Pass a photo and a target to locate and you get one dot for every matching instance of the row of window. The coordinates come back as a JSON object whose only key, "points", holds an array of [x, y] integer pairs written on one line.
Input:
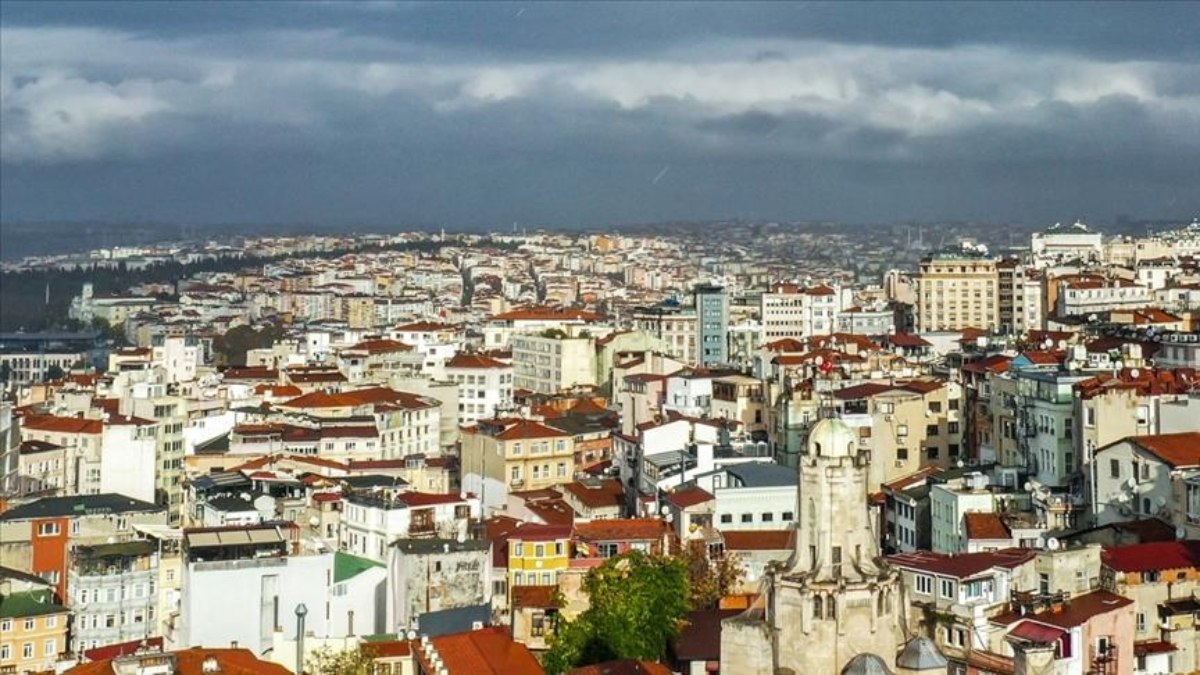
{"points": [[49, 649], [764, 517], [30, 624], [539, 550]]}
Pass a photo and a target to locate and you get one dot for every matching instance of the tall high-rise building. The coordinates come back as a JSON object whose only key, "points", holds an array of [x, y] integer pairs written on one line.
{"points": [[835, 592], [712, 325], [956, 290]]}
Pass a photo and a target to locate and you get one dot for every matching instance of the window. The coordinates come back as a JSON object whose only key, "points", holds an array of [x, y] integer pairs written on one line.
{"points": [[48, 529], [902, 454], [768, 517], [747, 517], [935, 406], [1150, 577], [539, 551], [931, 430], [932, 452], [1141, 622], [518, 549], [726, 518], [30, 624], [924, 584], [947, 588], [837, 555], [5, 652], [558, 548], [48, 649], [607, 550], [51, 621], [27, 650], [1114, 468], [5, 625], [788, 516]]}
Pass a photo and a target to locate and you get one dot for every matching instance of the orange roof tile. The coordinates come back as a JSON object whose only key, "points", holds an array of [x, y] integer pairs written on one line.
{"points": [[986, 526], [62, 425]]}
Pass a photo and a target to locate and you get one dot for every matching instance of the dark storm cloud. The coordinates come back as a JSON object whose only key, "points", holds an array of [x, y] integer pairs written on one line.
{"points": [[490, 113]]}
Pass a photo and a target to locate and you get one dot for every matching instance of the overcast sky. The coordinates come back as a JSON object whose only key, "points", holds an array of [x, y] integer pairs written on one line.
{"points": [[483, 114]]}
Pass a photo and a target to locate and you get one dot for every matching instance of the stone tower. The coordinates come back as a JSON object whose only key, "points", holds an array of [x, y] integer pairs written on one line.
{"points": [[834, 598]]}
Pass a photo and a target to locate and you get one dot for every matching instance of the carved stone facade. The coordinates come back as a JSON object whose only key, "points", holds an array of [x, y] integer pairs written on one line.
{"points": [[835, 598]]}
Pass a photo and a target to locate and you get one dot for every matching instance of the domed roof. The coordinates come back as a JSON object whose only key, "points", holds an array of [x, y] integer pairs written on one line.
{"points": [[866, 664], [832, 437], [921, 654]]}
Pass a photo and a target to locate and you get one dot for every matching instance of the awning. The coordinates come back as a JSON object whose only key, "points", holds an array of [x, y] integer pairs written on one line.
{"points": [[1152, 647], [1036, 632]]}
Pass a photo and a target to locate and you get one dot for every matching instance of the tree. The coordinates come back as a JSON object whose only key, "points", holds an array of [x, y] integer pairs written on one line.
{"points": [[326, 661], [54, 372], [638, 603], [710, 577]]}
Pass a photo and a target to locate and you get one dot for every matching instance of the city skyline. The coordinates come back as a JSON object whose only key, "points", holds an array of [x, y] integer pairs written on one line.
{"points": [[596, 114]]}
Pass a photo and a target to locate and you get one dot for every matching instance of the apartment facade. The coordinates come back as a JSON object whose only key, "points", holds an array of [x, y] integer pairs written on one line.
{"points": [[957, 290]]}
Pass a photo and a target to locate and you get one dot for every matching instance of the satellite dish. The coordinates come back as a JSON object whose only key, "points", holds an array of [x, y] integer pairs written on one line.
{"points": [[1053, 543], [820, 360], [1161, 501], [1028, 486], [1119, 365], [1131, 483], [1047, 343], [1180, 532], [1041, 542], [665, 509], [1062, 344], [314, 521], [411, 634], [1135, 373]]}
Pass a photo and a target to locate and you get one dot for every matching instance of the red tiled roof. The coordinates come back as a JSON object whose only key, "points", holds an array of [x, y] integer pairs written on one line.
{"points": [[996, 363], [1077, 611], [689, 496], [1152, 647], [1032, 631], [1141, 381], [757, 540], [524, 429], [386, 648], [489, 651], [1178, 450], [539, 532], [381, 347], [622, 667], [425, 327], [1153, 556], [608, 493], [62, 425], [191, 662], [624, 529], [428, 498], [986, 526], [961, 566], [462, 360], [907, 340], [122, 648]]}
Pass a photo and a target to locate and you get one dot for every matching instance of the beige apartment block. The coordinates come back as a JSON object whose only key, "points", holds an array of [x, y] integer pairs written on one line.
{"points": [[957, 290]]}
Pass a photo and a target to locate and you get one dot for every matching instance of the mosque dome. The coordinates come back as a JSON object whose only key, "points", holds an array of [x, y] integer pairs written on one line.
{"points": [[832, 438]]}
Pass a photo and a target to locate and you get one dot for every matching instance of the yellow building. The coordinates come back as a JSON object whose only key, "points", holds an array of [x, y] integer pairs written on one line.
{"points": [[538, 554], [33, 626], [957, 290], [503, 455]]}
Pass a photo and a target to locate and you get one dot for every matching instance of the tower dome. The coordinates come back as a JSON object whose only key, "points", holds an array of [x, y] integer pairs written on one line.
{"points": [[866, 664], [832, 438]]}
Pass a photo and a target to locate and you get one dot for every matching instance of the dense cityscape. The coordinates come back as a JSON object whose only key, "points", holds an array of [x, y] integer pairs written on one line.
{"points": [[563, 452], [395, 337]]}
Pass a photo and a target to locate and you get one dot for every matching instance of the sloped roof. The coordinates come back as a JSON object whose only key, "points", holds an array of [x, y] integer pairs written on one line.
{"points": [[78, 505], [1177, 450], [62, 425], [961, 566], [1153, 556], [621, 529], [986, 526], [489, 651], [528, 429], [920, 653]]}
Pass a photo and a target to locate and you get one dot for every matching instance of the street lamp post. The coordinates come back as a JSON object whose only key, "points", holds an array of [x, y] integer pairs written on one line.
{"points": [[301, 610]]}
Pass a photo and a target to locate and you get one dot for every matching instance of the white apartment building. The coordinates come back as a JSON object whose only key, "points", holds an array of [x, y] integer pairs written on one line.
{"points": [[947, 504], [793, 311], [371, 522], [1082, 296], [552, 361], [485, 385]]}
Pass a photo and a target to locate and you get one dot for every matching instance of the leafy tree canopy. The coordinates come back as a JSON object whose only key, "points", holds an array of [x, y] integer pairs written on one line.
{"points": [[638, 603]]}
